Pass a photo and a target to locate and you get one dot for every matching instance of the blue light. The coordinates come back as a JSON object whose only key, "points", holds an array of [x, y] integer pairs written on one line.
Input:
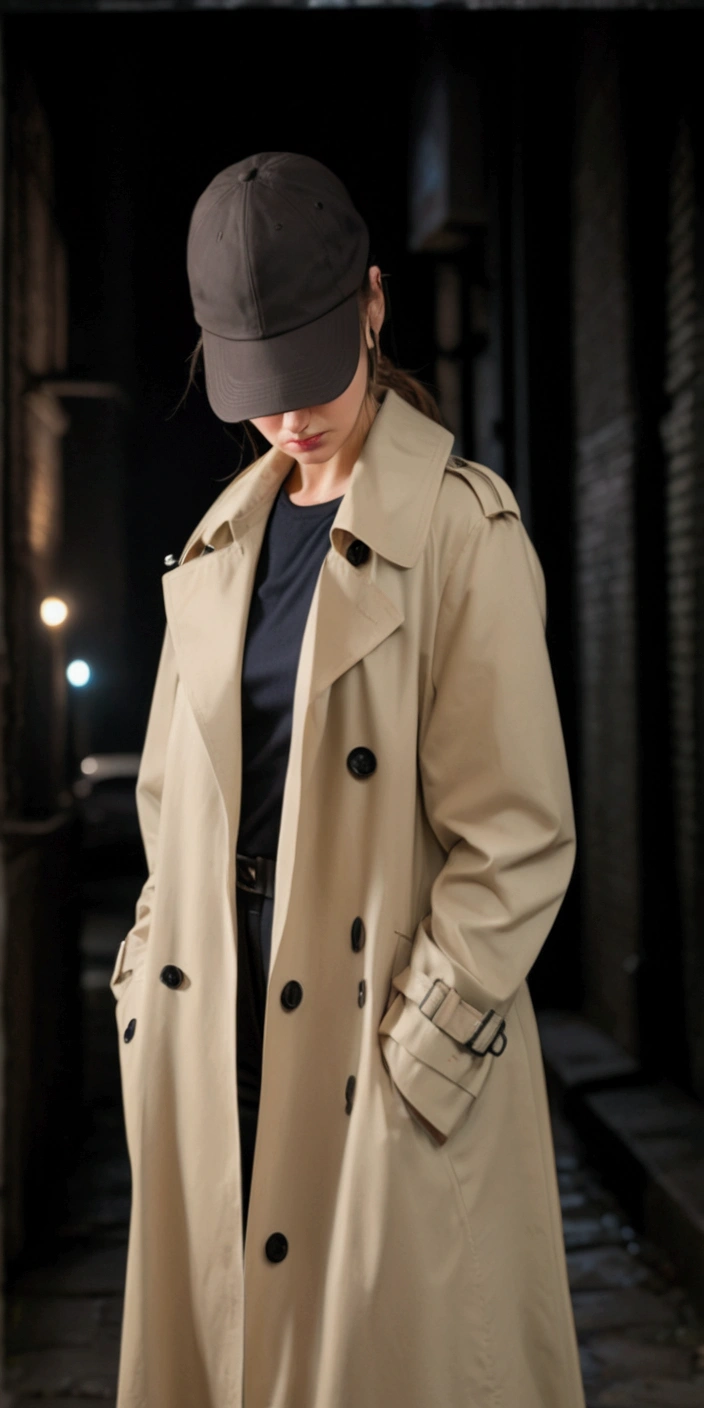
{"points": [[78, 673]]}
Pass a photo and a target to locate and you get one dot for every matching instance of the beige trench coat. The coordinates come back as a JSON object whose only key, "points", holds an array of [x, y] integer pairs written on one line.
{"points": [[418, 1275]]}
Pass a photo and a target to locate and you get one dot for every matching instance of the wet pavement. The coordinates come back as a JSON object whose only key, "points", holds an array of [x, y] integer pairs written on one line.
{"points": [[641, 1343]]}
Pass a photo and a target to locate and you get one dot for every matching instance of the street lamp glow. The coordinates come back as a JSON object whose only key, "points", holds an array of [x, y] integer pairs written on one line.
{"points": [[53, 611], [78, 673]]}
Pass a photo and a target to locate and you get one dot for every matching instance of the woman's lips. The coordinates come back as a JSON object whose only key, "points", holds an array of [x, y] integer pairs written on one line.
{"points": [[308, 444]]}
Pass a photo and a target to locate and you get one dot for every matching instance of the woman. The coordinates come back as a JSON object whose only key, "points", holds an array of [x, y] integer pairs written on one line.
{"points": [[357, 816]]}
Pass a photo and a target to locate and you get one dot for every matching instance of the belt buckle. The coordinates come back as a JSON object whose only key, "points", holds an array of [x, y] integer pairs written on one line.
{"points": [[499, 1036], [251, 868]]}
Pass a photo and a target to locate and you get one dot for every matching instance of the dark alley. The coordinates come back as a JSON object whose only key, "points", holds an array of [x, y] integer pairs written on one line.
{"points": [[533, 187]]}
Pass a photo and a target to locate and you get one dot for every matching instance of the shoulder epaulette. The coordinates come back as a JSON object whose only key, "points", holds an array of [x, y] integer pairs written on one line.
{"points": [[494, 494]]}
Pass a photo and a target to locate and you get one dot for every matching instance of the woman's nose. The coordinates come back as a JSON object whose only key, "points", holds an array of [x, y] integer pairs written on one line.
{"points": [[295, 422]]}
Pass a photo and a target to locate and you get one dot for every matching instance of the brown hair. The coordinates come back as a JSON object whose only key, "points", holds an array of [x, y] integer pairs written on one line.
{"points": [[384, 375]]}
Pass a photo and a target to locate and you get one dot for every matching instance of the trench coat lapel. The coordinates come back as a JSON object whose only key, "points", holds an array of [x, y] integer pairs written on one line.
{"points": [[387, 505], [207, 602]]}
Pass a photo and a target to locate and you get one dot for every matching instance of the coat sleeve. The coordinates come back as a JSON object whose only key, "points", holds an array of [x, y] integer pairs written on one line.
{"points": [[497, 795], [150, 781]]}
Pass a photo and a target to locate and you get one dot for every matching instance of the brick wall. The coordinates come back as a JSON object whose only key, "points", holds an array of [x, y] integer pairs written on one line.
{"points": [[608, 828]]}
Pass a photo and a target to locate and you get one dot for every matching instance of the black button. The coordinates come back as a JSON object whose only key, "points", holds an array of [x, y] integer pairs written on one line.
{"points": [[291, 995], [129, 1030], [276, 1246], [171, 975], [357, 552], [349, 1094], [362, 993], [358, 934], [248, 175], [361, 762]]}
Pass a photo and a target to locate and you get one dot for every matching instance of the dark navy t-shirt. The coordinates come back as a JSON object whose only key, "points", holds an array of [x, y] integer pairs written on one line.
{"points": [[296, 539]]}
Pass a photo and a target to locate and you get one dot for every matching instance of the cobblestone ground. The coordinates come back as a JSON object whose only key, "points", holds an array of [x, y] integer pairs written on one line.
{"points": [[641, 1343], [642, 1346]]}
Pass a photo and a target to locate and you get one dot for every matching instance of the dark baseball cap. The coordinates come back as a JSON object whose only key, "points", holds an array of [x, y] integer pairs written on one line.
{"points": [[276, 255]]}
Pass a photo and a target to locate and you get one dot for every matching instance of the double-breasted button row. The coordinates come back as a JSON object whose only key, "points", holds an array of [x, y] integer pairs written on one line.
{"points": [[361, 763], [358, 938], [276, 1246], [171, 977]]}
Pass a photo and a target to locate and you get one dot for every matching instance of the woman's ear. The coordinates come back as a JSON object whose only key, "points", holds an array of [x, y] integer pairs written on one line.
{"points": [[376, 307]]}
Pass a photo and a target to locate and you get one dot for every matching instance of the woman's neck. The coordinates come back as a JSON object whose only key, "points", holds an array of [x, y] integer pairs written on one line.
{"points": [[318, 483]]}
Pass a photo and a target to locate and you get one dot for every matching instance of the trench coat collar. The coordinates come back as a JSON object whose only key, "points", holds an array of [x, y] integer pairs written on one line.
{"points": [[394, 483], [389, 497]]}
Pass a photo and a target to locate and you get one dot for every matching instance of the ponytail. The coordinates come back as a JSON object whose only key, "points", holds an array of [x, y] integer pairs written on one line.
{"points": [[384, 375]]}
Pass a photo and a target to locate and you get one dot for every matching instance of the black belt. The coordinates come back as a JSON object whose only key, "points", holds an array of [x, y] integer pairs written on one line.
{"points": [[256, 874]]}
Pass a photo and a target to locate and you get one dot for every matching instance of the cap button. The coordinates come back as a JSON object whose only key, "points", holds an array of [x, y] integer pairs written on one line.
{"points": [[248, 175]]}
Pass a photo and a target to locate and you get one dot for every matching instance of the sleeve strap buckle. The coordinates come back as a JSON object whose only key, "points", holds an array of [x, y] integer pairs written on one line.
{"points": [[497, 1035], [476, 1032]]}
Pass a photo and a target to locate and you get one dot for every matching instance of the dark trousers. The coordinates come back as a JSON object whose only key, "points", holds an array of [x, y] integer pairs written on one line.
{"points": [[254, 916]]}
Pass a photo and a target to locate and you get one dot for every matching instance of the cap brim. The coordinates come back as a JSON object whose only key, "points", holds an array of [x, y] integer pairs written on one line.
{"points": [[267, 376]]}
